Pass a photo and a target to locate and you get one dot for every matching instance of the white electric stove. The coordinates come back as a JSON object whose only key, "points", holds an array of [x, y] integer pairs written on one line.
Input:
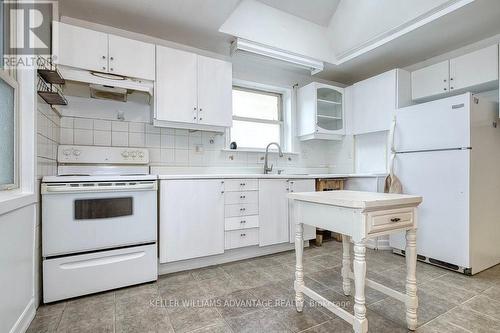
{"points": [[99, 221]]}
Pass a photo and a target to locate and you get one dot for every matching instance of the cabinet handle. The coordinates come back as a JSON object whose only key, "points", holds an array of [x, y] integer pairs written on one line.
{"points": [[201, 117], [201, 109], [194, 108], [451, 79], [242, 197], [243, 221], [243, 235], [451, 88], [194, 118], [444, 89], [242, 209], [111, 69], [396, 219], [242, 184], [104, 68], [111, 58], [104, 57]]}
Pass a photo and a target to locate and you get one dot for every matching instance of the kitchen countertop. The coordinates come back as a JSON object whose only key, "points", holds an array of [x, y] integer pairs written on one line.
{"points": [[268, 176]]}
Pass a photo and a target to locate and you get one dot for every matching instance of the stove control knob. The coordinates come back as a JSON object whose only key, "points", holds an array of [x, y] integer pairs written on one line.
{"points": [[76, 152], [133, 154], [141, 154], [67, 152], [125, 153]]}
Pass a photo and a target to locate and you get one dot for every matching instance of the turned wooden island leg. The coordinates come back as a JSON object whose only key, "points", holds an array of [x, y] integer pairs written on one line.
{"points": [[360, 324], [411, 281], [346, 265], [299, 269]]}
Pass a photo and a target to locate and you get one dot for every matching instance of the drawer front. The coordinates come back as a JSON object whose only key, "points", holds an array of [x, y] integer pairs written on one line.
{"points": [[241, 210], [244, 222], [241, 197], [232, 185], [84, 274], [390, 220], [242, 238]]}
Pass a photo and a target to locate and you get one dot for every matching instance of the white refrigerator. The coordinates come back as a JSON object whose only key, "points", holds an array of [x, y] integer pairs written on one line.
{"points": [[448, 151]]}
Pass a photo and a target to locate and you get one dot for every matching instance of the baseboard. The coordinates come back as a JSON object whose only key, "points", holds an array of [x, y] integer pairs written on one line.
{"points": [[24, 321], [383, 244], [227, 256]]}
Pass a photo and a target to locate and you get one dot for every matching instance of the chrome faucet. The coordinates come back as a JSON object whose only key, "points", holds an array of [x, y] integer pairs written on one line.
{"points": [[268, 168]]}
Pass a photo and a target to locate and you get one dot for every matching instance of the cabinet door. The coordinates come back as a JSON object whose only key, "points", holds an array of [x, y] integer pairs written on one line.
{"points": [[301, 185], [329, 109], [132, 58], [273, 211], [81, 48], [191, 219], [430, 81], [176, 93], [374, 103], [474, 68], [215, 79]]}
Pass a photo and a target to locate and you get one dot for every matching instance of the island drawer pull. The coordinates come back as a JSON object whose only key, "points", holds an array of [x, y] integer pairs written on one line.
{"points": [[395, 219]]}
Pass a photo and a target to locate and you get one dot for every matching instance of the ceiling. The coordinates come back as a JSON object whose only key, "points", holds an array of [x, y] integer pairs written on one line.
{"points": [[196, 23], [315, 11]]}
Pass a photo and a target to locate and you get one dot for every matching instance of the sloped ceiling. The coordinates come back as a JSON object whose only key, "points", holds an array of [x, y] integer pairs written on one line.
{"points": [[328, 28]]}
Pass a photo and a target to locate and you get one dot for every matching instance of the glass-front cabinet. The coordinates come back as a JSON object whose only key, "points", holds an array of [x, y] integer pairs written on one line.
{"points": [[321, 112]]}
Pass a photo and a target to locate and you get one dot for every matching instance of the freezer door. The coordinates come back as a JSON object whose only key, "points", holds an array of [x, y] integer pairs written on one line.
{"points": [[440, 124], [442, 179]]}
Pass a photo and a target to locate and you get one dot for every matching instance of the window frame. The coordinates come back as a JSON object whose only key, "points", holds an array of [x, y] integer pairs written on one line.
{"points": [[7, 78], [280, 121]]}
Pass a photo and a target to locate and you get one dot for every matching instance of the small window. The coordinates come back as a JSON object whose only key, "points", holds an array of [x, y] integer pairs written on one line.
{"points": [[257, 118], [8, 139]]}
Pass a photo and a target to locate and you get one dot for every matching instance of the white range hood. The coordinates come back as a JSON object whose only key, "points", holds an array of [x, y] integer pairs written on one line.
{"points": [[108, 82]]}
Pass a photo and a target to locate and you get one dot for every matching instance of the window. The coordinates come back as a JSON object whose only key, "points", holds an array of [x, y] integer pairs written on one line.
{"points": [[8, 123], [257, 118]]}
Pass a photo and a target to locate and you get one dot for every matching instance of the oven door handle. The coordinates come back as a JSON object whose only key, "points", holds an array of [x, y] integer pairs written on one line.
{"points": [[94, 189]]}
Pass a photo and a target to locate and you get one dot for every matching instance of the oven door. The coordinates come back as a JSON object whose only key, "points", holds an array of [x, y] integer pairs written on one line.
{"points": [[81, 217]]}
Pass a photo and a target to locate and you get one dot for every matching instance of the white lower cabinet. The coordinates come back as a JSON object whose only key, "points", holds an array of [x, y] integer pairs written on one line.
{"points": [[191, 219], [273, 211], [242, 238]]}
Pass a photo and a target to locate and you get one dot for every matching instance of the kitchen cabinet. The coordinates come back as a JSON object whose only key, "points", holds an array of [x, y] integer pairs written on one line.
{"points": [[139, 63], [176, 79], [80, 47], [375, 100], [192, 91], [475, 68], [273, 211], [475, 71], [101, 52], [191, 219], [430, 81], [321, 112], [301, 185]]}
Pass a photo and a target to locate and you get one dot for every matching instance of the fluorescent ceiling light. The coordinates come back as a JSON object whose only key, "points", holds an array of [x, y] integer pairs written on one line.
{"points": [[314, 66]]}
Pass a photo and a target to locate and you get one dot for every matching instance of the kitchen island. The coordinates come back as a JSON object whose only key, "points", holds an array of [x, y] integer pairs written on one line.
{"points": [[358, 216]]}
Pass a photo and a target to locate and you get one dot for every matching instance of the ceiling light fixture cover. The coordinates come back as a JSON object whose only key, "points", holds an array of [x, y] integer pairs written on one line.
{"points": [[315, 66]]}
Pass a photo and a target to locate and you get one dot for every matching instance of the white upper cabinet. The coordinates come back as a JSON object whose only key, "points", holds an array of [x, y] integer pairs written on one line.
{"points": [[97, 51], [215, 92], [321, 112], [475, 71], [430, 81], [375, 100], [475, 68], [192, 91], [176, 80], [132, 58], [81, 48]]}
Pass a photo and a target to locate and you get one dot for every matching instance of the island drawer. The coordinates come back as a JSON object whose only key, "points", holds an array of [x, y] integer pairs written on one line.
{"points": [[241, 210], [240, 238], [232, 185], [390, 219], [241, 197], [244, 222]]}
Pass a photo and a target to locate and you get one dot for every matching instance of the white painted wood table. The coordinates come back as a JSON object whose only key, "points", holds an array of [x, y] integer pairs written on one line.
{"points": [[357, 216]]}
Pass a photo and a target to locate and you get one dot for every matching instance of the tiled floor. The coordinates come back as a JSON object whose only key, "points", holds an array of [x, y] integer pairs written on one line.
{"points": [[256, 296]]}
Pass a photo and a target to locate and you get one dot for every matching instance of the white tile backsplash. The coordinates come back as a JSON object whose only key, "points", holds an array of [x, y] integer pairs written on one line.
{"points": [[83, 123], [181, 147], [47, 139], [102, 138], [119, 139]]}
